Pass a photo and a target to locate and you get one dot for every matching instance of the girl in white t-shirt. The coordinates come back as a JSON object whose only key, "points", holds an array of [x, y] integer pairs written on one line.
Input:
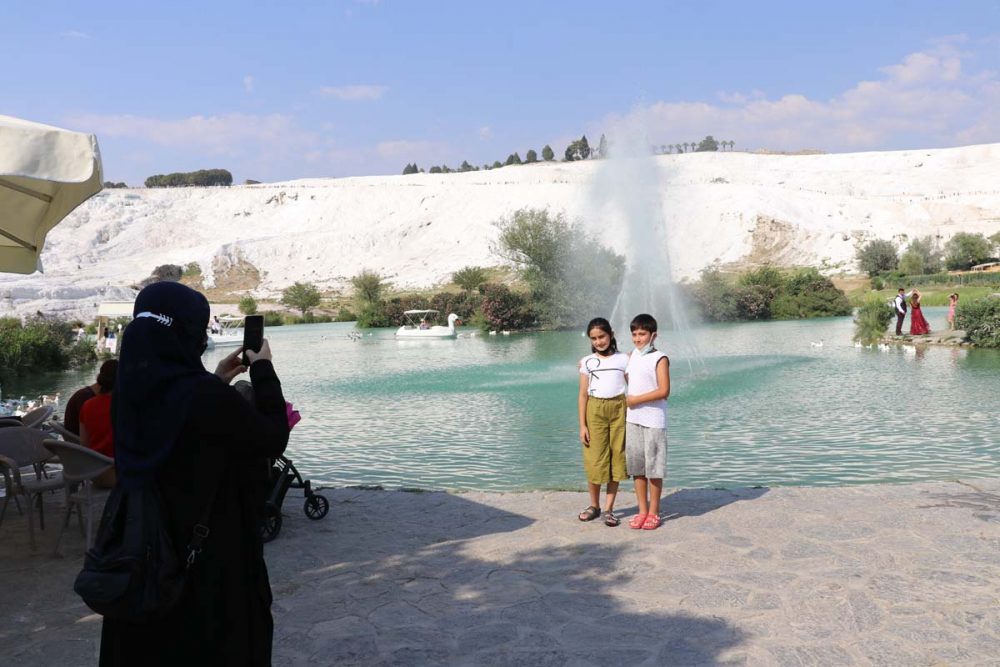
{"points": [[602, 419]]}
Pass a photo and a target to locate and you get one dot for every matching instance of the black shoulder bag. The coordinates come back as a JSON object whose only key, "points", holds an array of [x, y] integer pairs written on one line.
{"points": [[132, 572]]}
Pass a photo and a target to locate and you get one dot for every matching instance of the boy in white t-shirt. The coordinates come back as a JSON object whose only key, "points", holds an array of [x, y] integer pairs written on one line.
{"points": [[648, 377]]}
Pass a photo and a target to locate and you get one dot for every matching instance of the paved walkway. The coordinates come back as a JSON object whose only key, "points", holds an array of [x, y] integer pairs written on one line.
{"points": [[902, 576]]}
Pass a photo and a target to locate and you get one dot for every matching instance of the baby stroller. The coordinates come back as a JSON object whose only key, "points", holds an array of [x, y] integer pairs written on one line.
{"points": [[284, 476]]}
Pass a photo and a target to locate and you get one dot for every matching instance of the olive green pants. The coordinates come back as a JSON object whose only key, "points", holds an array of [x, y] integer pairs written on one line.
{"points": [[604, 459]]}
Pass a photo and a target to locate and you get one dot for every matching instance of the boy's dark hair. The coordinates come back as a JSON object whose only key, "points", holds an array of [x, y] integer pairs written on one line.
{"points": [[605, 326], [644, 322], [901, 290]]}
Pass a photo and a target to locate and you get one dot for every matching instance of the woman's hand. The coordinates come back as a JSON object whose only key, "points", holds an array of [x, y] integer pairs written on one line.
{"points": [[585, 436], [231, 366], [265, 353]]}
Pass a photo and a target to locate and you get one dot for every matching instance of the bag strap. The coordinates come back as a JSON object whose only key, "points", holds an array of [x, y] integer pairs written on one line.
{"points": [[201, 530]]}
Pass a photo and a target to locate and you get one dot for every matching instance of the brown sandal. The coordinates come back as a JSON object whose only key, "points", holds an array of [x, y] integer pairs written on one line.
{"points": [[589, 514], [610, 520]]}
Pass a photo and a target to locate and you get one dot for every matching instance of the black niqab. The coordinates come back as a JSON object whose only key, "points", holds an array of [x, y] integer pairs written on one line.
{"points": [[159, 368]]}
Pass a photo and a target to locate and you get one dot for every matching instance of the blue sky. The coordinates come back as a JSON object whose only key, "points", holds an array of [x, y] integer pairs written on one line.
{"points": [[280, 90]]}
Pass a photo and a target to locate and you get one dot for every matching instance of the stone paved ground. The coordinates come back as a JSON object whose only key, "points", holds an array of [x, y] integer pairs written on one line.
{"points": [[901, 576]]}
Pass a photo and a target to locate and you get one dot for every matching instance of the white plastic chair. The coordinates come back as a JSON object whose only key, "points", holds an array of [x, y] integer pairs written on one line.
{"points": [[80, 466], [37, 417], [60, 429], [21, 447]]}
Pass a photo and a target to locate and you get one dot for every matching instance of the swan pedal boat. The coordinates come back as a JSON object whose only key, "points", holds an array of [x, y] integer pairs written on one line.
{"points": [[413, 330]]}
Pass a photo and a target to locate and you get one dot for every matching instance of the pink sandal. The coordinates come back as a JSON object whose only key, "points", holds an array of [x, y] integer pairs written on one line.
{"points": [[637, 521], [652, 522]]}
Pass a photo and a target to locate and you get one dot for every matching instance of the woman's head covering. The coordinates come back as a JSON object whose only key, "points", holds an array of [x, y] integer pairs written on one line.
{"points": [[159, 368]]}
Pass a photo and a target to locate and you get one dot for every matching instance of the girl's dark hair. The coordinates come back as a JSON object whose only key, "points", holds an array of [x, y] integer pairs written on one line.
{"points": [[106, 376], [605, 326]]}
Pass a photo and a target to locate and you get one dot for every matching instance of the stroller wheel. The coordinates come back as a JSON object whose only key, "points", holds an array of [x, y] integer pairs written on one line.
{"points": [[316, 506], [272, 522]]}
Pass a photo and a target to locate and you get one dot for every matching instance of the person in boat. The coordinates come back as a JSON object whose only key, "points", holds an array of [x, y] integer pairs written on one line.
{"points": [[216, 325], [423, 324], [71, 420], [94, 425], [189, 432]]}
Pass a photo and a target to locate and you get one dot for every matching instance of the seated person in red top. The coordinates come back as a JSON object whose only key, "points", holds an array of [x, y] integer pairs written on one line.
{"points": [[76, 401], [95, 421]]}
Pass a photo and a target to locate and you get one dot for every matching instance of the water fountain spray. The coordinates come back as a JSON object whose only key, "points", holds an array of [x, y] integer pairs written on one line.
{"points": [[626, 192]]}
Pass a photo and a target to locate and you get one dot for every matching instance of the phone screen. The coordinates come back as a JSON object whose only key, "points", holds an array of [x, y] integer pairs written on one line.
{"points": [[253, 335]]}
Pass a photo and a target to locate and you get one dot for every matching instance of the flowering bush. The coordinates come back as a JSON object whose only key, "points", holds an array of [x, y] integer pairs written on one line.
{"points": [[753, 302], [980, 319], [504, 309]]}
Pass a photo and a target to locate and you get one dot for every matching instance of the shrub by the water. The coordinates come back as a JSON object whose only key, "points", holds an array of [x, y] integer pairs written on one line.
{"points": [[504, 310], [980, 320], [753, 302], [345, 315], [715, 296], [308, 318], [40, 344], [248, 305], [808, 294], [872, 319], [273, 319]]}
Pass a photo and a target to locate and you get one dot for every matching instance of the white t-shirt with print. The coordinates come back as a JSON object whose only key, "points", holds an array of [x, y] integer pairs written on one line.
{"points": [[607, 374], [642, 380]]}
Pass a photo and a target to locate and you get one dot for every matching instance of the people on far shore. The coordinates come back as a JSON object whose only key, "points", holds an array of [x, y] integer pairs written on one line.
{"points": [[918, 323], [900, 304], [71, 419], [602, 419], [952, 302], [648, 378], [96, 431]]}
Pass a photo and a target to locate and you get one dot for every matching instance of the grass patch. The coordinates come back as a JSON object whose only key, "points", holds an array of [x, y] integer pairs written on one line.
{"points": [[931, 296]]}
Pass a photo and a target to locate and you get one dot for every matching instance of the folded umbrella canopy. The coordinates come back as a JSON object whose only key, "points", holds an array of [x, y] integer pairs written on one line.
{"points": [[45, 173]]}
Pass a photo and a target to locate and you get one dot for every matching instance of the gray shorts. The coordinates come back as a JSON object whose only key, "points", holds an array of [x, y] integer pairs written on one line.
{"points": [[645, 451]]}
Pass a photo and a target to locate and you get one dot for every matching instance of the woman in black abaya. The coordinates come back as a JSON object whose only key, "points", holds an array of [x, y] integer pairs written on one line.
{"points": [[188, 431]]}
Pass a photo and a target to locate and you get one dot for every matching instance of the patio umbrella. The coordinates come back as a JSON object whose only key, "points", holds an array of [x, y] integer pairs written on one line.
{"points": [[45, 173]]}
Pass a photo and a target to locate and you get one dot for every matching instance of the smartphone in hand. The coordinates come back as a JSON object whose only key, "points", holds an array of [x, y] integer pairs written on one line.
{"points": [[253, 335]]}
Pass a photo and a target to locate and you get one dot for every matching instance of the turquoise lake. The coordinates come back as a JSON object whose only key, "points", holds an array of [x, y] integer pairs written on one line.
{"points": [[762, 406]]}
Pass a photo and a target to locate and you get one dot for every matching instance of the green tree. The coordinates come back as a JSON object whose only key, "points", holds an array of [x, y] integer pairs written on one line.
{"points": [[530, 156], [369, 286], [435, 169], [546, 251], [547, 153], [408, 169], [469, 278], [686, 144], [466, 166], [602, 148], [496, 164], [922, 256], [871, 321], [965, 250], [995, 240], [877, 256], [301, 296], [708, 144], [248, 305]]}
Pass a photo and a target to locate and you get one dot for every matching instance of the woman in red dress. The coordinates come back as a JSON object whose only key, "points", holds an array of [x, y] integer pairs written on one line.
{"points": [[918, 325]]}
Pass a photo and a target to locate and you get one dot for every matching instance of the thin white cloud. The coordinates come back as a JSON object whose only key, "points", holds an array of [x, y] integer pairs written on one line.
{"points": [[928, 99], [248, 83], [354, 93], [75, 34], [404, 148], [485, 132]]}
